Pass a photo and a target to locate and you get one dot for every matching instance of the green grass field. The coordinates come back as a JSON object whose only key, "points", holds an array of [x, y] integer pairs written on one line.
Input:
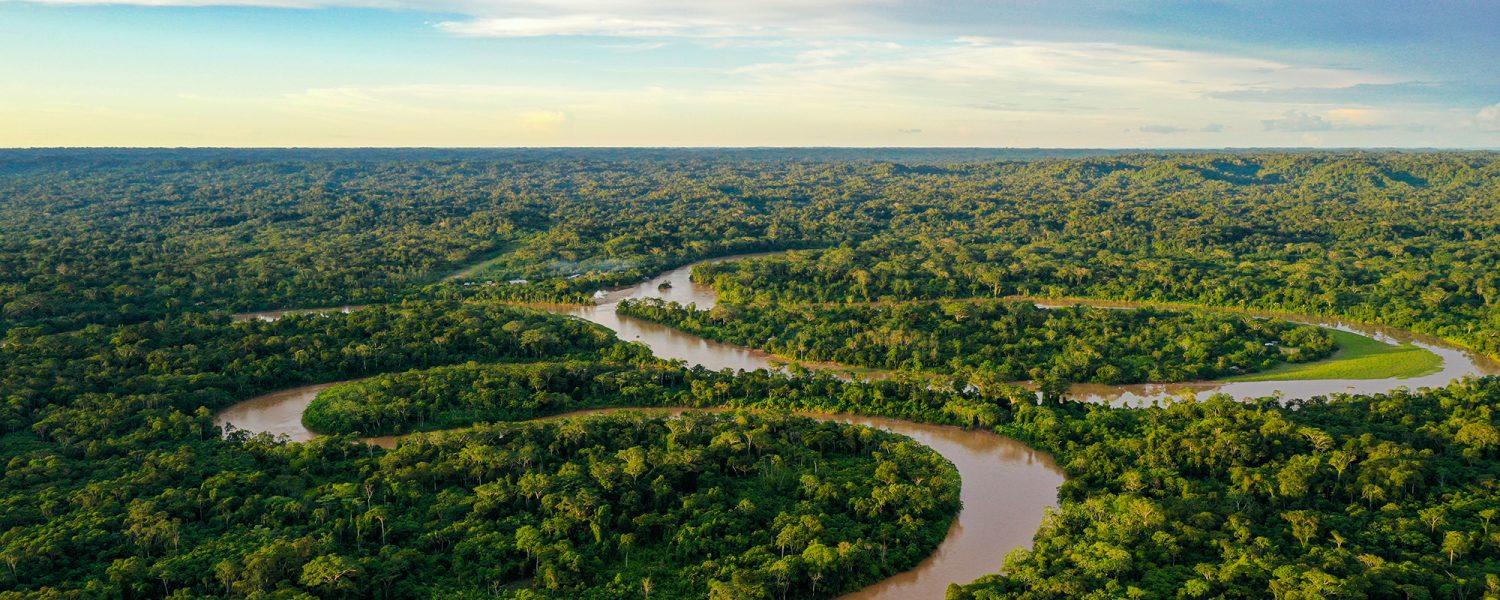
{"points": [[1358, 357], [479, 268]]}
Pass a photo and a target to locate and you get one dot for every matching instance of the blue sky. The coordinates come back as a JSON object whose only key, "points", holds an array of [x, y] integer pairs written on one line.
{"points": [[1059, 73]]}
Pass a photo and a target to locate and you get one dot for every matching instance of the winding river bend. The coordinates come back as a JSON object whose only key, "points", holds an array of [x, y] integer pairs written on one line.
{"points": [[1457, 363], [1006, 485]]}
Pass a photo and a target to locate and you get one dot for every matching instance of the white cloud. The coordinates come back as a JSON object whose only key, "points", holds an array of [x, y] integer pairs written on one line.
{"points": [[1173, 129], [1297, 121], [205, 3], [615, 18], [1162, 129], [804, 84], [1488, 117], [568, 25], [1028, 76], [972, 91], [664, 18], [1347, 120], [635, 46], [1354, 117], [544, 120]]}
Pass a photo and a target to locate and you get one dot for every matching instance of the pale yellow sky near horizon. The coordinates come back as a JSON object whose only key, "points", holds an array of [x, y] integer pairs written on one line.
{"points": [[638, 75]]}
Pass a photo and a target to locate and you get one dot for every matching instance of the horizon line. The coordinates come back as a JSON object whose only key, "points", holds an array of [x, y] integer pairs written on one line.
{"points": [[764, 147]]}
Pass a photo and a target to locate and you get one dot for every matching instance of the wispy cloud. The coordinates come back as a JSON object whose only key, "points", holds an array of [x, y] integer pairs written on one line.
{"points": [[296, 4], [1173, 129], [544, 120], [973, 72], [609, 18], [1488, 117], [1057, 77], [1473, 93], [1162, 129], [583, 25], [1297, 121], [833, 88], [1343, 119], [665, 18]]}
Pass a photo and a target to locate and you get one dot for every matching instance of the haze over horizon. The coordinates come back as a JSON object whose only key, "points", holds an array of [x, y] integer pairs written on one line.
{"points": [[482, 73]]}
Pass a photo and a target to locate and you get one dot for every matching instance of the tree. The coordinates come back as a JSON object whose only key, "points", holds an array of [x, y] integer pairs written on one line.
{"points": [[130, 574], [1304, 524], [784, 569], [529, 540], [329, 572], [1433, 517], [1456, 543], [635, 462], [1479, 437], [1340, 460], [379, 514], [818, 558], [627, 540]]}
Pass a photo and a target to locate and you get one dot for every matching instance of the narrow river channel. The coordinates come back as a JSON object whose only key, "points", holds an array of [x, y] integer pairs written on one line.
{"points": [[1006, 488], [1006, 485]]}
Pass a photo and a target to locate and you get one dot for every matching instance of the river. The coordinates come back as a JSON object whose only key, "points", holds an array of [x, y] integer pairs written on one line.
{"points": [[1457, 363], [667, 342], [1006, 485], [1006, 488]]}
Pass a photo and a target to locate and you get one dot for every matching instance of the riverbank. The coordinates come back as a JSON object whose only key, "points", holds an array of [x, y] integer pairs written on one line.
{"points": [[1357, 357], [989, 526], [1006, 491], [1386, 359]]}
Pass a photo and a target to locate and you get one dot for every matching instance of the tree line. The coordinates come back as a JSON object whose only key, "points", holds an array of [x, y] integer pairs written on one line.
{"points": [[118, 271], [1004, 341], [1384, 496], [1405, 239]]}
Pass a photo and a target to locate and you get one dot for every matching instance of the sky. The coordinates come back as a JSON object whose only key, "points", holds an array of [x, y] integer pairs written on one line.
{"points": [[971, 73]]}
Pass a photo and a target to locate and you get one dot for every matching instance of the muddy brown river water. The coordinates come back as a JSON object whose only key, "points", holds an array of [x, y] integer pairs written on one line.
{"points": [[1006, 485], [1006, 489], [1457, 363]]}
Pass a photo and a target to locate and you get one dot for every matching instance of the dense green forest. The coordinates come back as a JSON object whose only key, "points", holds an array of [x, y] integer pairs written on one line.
{"points": [[448, 397], [1005, 341], [611, 507], [1390, 496], [97, 386], [1211, 498], [116, 478], [119, 271], [1404, 239], [460, 395], [1383, 496]]}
